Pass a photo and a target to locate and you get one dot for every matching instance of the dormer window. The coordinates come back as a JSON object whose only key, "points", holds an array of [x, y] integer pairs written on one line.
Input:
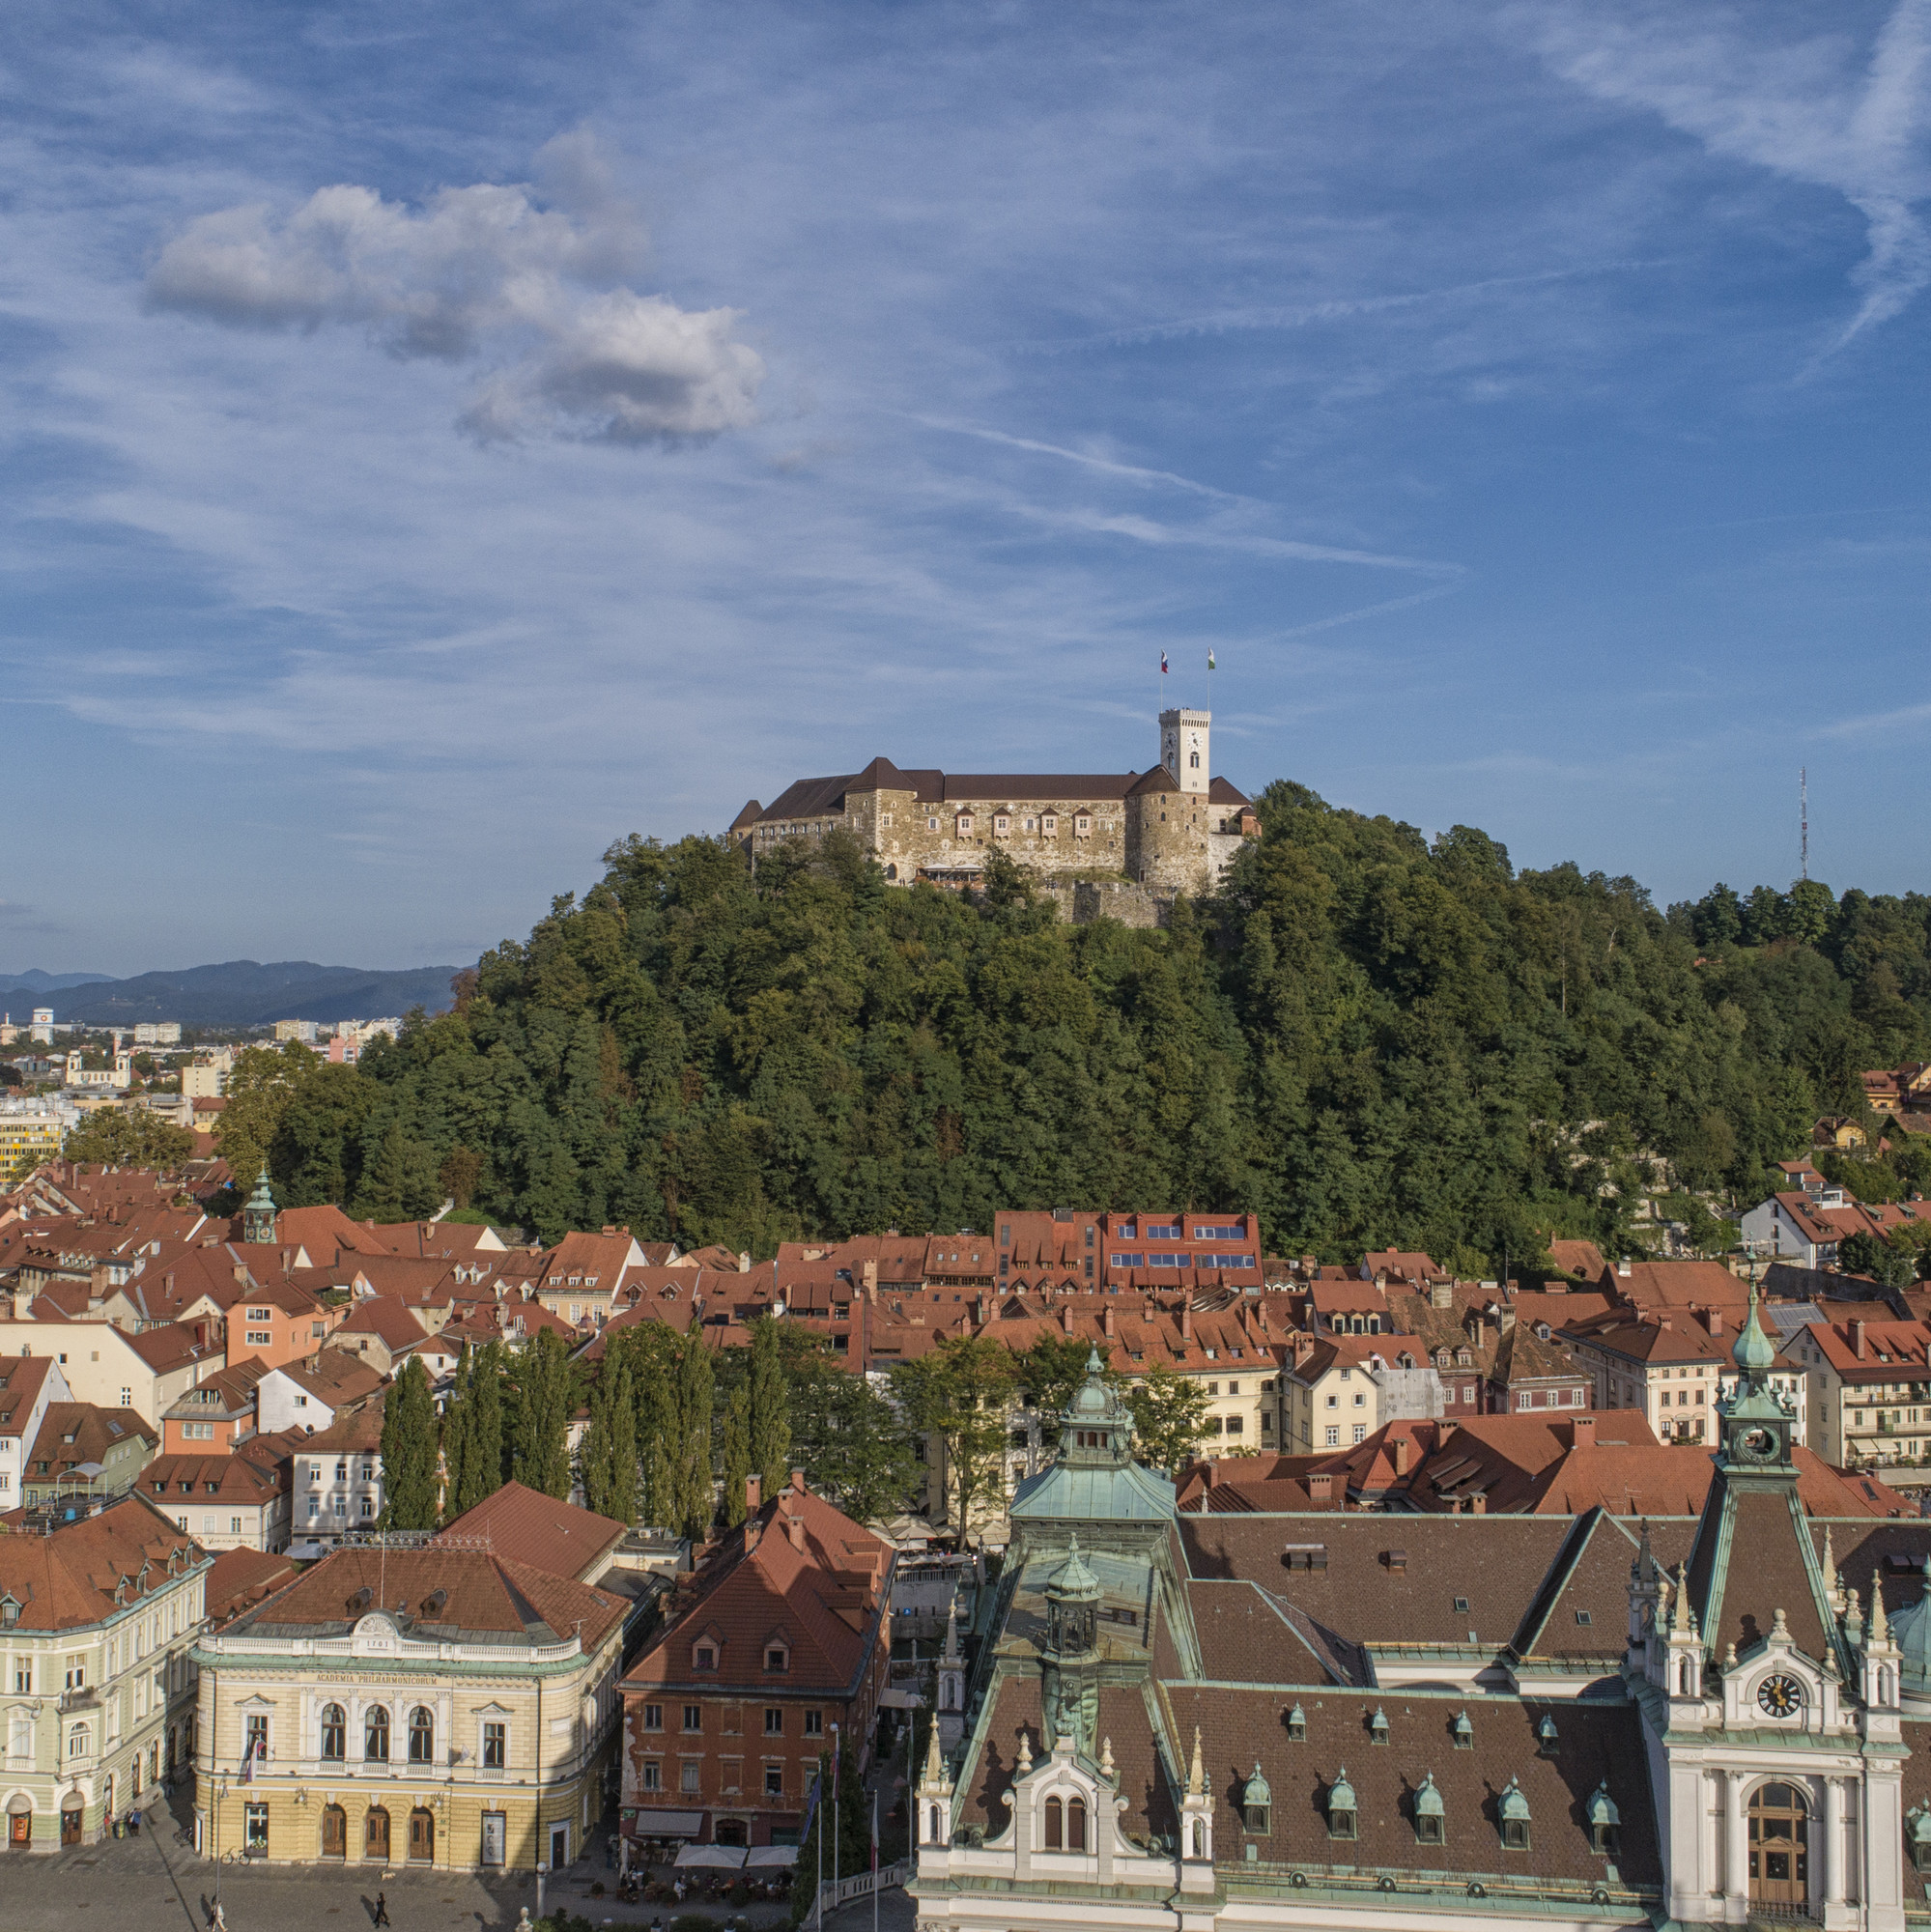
{"points": [[1431, 1821], [705, 1657], [964, 823], [777, 1658], [1082, 825], [1515, 1808], [1001, 824], [1256, 1802], [1298, 1725], [1606, 1824], [1342, 1814], [1049, 824]]}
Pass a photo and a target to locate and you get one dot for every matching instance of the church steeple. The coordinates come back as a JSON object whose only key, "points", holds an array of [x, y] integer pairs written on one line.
{"points": [[257, 1217]]}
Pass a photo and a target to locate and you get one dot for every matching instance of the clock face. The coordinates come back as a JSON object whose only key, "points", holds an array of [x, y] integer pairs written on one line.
{"points": [[1780, 1696]]}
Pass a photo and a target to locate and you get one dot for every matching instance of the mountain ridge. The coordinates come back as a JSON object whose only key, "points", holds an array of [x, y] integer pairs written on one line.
{"points": [[245, 992]]}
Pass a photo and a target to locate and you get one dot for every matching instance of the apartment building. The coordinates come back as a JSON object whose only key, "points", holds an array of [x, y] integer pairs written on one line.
{"points": [[96, 1617], [336, 1480], [1869, 1388]]}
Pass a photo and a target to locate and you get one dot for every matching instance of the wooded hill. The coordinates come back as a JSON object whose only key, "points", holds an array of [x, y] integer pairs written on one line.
{"points": [[1370, 1039]]}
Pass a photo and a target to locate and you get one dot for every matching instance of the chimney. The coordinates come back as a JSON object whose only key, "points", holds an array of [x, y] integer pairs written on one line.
{"points": [[1583, 1432], [797, 1482], [753, 1493], [1206, 1475], [1623, 1265], [1478, 1505], [1320, 1489], [1713, 1320], [1441, 1294], [1403, 1447], [1186, 1319], [1858, 1339], [794, 1528], [867, 1276], [1066, 1319], [1106, 1320]]}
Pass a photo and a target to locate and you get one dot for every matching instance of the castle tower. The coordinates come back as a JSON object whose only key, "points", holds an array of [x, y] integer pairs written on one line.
{"points": [[1183, 749]]}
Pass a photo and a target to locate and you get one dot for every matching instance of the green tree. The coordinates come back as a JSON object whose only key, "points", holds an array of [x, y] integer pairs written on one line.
{"points": [[957, 1397], [410, 1486], [736, 1468], [770, 1406], [1169, 1413], [546, 1383], [844, 1829], [1052, 1371], [851, 1444], [1875, 1258], [687, 1441], [128, 1137], [609, 1460], [260, 1085]]}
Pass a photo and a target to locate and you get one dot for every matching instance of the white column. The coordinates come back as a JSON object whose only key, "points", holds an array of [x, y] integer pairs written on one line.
{"points": [[1736, 1869], [1834, 1843]]}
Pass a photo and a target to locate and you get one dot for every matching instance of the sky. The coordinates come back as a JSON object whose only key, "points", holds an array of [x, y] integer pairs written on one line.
{"points": [[438, 442]]}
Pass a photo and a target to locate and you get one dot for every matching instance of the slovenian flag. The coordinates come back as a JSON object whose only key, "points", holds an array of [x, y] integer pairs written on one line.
{"points": [[1209, 659], [1163, 664]]}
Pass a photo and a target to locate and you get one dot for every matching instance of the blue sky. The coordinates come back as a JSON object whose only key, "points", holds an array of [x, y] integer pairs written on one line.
{"points": [[438, 440]]}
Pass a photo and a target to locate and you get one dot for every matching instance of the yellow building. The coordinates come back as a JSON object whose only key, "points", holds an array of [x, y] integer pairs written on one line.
{"points": [[28, 1138], [437, 1706]]}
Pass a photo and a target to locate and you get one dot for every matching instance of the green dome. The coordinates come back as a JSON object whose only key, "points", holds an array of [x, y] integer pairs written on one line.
{"points": [[1910, 1631], [1257, 1788]]}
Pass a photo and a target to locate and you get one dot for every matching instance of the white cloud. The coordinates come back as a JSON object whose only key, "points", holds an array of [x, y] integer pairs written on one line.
{"points": [[483, 270], [1802, 109]]}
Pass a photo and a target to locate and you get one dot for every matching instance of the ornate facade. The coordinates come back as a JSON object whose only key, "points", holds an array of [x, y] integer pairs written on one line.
{"points": [[1301, 1720]]}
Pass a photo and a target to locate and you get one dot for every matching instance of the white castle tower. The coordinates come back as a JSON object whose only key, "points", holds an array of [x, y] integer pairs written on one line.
{"points": [[1184, 736]]}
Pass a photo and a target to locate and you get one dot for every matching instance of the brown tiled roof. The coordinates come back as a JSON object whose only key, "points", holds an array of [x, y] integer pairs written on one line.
{"points": [[96, 1432], [67, 1578], [825, 1595], [20, 1383], [1595, 1745], [1249, 1636], [358, 1429], [179, 1478], [334, 1376], [1496, 1564], [384, 1317], [537, 1529], [1766, 1571], [241, 1577], [485, 1595]]}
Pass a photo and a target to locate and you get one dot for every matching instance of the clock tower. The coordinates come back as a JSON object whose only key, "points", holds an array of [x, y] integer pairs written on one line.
{"points": [[1757, 1426]]}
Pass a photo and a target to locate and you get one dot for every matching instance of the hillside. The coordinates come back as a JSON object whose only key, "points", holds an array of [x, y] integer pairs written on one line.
{"points": [[37, 983], [1369, 1038], [244, 993]]}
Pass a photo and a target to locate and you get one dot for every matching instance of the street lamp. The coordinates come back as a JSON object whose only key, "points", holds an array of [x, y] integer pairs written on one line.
{"points": [[220, 1793]]}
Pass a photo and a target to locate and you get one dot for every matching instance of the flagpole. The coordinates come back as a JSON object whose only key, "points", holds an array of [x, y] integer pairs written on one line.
{"points": [[874, 1858]]}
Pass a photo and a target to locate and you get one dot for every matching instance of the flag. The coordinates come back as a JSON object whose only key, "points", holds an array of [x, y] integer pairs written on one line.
{"points": [[1163, 664], [248, 1758], [1209, 659]]}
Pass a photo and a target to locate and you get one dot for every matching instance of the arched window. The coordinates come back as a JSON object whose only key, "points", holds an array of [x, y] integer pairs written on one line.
{"points": [[933, 1833], [335, 1733], [1054, 1829], [80, 1741], [421, 1736], [376, 1735], [1075, 1824]]}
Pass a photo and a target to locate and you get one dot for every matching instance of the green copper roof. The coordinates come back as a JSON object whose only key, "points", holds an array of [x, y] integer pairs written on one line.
{"points": [[1072, 1581], [1910, 1631], [1126, 1493], [1754, 1351]]}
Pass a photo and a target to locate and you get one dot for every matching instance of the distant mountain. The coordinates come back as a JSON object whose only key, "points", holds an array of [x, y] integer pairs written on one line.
{"points": [[244, 993], [33, 981]]}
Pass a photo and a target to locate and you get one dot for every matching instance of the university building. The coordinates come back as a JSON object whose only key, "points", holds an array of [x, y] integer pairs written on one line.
{"points": [[1299, 1721], [1170, 829]]}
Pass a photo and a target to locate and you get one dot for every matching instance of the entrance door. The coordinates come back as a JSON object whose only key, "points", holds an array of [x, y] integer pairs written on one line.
{"points": [[335, 1831], [70, 1828], [560, 1847], [421, 1836], [376, 1836], [19, 1830], [1779, 1847]]}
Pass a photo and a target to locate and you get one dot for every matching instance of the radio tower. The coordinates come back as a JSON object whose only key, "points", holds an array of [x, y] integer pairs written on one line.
{"points": [[1804, 819]]}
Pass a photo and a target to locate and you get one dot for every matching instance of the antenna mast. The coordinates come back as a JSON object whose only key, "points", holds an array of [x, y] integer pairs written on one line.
{"points": [[1804, 819]]}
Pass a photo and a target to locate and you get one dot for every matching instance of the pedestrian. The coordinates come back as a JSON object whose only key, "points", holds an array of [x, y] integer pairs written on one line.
{"points": [[220, 1923], [382, 1910]]}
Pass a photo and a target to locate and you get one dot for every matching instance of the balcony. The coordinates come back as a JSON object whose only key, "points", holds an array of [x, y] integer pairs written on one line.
{"points": [[83, 1697]]}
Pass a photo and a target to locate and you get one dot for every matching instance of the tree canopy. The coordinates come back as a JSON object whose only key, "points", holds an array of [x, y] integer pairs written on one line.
{"points": [[1370, 1037]]}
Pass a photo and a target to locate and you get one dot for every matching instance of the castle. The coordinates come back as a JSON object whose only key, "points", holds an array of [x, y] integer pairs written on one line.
{"points": [[1168, 829]]}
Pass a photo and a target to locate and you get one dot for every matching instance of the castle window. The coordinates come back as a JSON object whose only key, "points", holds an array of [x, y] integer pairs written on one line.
{"points": [[932, 825], [1001, 824], [965, 824], [1193, 760], [1082, 825], [1050, 825]]}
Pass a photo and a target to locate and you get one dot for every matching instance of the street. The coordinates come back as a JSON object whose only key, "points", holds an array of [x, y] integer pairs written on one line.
{"points": [[155, 1883]]}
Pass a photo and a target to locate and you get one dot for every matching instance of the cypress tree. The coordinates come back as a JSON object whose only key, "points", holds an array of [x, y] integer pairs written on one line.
{"points": [[483, 1447], [689, 1447], [609, 1460], [408, 1451], [770, 1406], [736, 1455], [456, 1432], [546, 1395]]}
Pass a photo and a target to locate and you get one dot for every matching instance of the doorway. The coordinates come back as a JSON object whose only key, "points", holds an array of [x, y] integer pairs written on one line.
{"points": [[421, 1837], [19, 1830], [560, 1847], [335, 1831], [375, 1835], [69, 1827], [1779, 1831]]}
